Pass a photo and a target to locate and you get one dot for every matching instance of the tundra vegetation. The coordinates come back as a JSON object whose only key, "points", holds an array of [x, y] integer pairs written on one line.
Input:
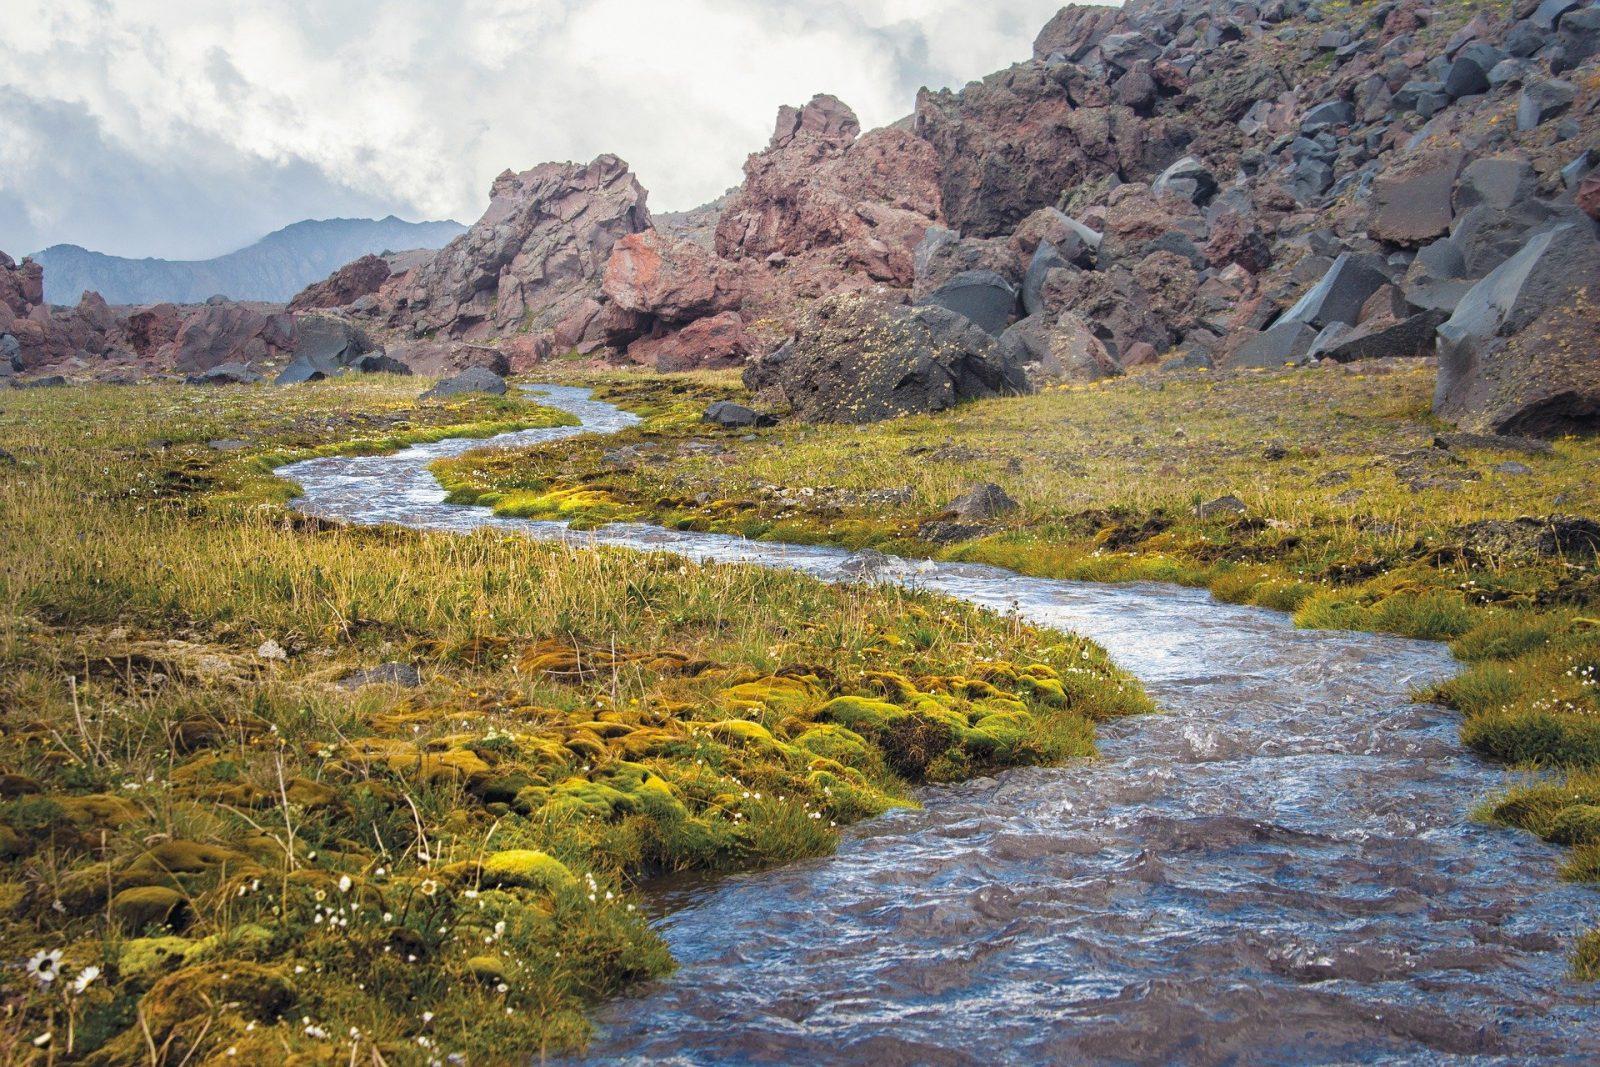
{"points": [[278, 789], [1329, 493]]}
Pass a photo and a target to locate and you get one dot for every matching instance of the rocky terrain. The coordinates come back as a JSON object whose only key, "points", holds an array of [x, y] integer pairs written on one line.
{"points": [[1163, 185], [273, 268]]}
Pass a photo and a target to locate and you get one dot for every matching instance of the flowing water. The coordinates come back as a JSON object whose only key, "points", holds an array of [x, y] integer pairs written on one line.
{"points": [[1278, 869]]}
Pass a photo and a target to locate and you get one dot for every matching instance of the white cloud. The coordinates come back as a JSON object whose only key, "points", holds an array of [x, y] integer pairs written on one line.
{"points": [[189, 127]]}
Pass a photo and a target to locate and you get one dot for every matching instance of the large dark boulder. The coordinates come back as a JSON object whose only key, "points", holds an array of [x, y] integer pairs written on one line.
{"points": [[1064, 349], [471, 380], [1285, 342], [1521, 353], [328, 343], [300, 372], [1542, 101], [1338, 297], [981, 296], [854, 359]]}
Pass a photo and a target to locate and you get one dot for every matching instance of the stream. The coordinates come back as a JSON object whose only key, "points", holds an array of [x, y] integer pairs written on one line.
{"points": [[1280, 868]]}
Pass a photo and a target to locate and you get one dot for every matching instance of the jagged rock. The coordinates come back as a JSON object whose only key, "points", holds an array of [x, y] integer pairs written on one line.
{"points": [[1521, 353], [1188, 178], [1235, 238], [471, 380], [1542, 101], [1074, 32], [1385, 336], [727, 413], [351, 282], [1415, 206], [674, 280], [1332, 114], [982, 296], [1499, 182], [1010, 144], [854, 359], [537, 253], [1063, 350], [704, 344], [219, 334], [940, 260], [327, 343], [152, 328], [1073, 241], [1045, 259], [1338, 297], [829, 210]]}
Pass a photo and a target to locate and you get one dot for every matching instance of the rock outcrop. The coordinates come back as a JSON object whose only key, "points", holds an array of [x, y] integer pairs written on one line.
{"points": [[351, 282], [534, 257]]}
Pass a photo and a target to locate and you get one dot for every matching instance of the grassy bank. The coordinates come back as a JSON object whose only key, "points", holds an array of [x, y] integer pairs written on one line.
{"points": [[220, 842], [1318, 492]]}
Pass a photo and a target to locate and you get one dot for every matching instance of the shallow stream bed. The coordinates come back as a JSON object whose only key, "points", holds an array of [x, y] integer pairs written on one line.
{"points": [[1279, 868]]}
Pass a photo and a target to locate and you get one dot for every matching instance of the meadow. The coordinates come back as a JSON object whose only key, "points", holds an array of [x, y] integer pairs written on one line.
{"points": [[276, 789]]}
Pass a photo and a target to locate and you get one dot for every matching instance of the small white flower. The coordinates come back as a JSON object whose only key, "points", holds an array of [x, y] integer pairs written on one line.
{"points": [[85, 978], [44, 966], [345, 883]]}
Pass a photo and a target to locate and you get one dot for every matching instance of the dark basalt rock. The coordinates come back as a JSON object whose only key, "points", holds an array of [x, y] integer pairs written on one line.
{"points": [[471, 380]]}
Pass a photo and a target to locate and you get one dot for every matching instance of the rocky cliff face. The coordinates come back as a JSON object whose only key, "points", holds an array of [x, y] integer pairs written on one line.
{"points": [[533, 258]]}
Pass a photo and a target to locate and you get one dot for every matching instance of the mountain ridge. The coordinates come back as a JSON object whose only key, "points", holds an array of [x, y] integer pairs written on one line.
{"points": [[271, 269]]}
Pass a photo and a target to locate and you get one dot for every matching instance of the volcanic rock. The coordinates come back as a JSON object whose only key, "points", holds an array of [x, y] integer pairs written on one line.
{"points": [[471, 380], [853, 359], [1521, 353], [346, 285], [536, 254]]}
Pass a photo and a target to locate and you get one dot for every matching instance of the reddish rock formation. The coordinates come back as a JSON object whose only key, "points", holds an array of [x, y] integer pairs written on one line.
{"points": [[675, 280], [152, 327], [533, 258], [349, 283], [820, 204], [1017, 141], [230, 333], [716, 341]]}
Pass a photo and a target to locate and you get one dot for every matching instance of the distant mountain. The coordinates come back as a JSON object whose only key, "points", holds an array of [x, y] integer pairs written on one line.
{"points": [[274, 268]]}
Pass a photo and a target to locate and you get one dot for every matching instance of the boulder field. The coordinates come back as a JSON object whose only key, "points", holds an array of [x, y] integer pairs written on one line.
{"points": [[1169, 185]]}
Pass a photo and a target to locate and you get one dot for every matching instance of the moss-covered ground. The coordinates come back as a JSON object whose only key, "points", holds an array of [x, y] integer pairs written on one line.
{"points": [[1328, 493], [218, 845]]}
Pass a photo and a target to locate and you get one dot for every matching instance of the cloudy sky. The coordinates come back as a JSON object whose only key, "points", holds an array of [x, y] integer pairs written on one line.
{"points": [[187, 128]]}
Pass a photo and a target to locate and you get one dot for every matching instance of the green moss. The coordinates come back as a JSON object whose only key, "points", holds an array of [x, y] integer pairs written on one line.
{"points": [[525, 868], [861, 714]]}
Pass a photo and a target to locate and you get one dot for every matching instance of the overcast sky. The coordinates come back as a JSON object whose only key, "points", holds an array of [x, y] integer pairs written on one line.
{"points": [[187, 128]]}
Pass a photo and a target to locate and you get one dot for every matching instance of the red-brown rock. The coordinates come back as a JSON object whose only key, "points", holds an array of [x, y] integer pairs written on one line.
{"points": [[533, 258], [675, 280], [716, 341], [822, 210], [349, 283]]}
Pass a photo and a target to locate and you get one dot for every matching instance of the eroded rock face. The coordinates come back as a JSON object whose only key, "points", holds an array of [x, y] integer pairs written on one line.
{"points": [[349, 283], [1017, 141], [822, 203], [674, 280], [855, 360], [533, 258]]}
